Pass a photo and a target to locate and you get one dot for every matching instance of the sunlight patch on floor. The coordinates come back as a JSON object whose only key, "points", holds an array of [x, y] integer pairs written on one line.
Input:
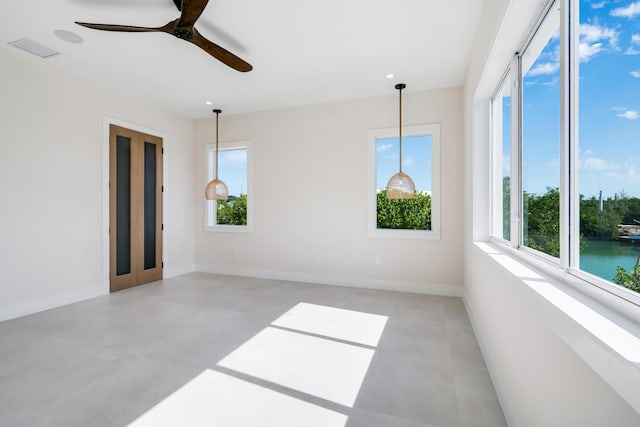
{"points": [[318, 365], [213, 398], [346, 325], [324, 368]]}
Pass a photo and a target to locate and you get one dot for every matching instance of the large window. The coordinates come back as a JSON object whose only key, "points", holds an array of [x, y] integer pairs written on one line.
{"points": [[575, 129], [609, 146], [418, 217], [540, 137], [233, 168]]}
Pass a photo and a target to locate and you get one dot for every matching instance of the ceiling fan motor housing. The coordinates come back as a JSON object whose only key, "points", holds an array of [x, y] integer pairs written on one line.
{"points": [[183, 33]]}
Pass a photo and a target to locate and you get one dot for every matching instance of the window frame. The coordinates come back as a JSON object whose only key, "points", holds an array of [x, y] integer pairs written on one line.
{"points": [[569, 259], [433, 130], [209, 163]]}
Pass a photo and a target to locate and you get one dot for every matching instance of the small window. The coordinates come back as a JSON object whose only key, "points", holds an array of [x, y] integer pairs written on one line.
{"points": [[410, 218], [233, 214]]}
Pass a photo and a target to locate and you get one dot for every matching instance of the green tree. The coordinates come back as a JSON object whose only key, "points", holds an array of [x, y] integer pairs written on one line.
{"points": [[233, 211], [542, 221], [506, 207], [589, 216], [630, 280], [405, 214], [602, 224]]}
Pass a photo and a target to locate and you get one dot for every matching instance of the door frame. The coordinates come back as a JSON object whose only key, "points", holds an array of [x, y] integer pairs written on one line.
{"points": [[106, 122]]}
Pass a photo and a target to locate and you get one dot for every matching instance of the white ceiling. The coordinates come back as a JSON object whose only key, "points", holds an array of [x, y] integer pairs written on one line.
{"points": [[303, 52]]}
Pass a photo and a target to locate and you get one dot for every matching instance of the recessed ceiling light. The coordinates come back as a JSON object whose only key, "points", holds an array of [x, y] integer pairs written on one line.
{"points": [[208, 102], [34, 47], [390, 76], [68, 36]]}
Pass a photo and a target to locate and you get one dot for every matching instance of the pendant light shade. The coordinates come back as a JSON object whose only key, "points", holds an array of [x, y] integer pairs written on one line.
{"points": [[216, 189], [400, 185]]}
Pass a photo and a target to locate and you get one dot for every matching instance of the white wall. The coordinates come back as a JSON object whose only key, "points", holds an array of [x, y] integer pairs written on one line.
{"points": [[51, 184], [310, 196], [539, 378]]}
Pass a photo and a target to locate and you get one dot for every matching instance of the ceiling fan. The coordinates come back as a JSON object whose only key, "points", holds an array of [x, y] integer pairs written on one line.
{"points": [[184, 28]]}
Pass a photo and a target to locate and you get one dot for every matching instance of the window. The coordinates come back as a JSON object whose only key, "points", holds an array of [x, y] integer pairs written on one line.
{"points": [[540, 140], [234, 169], [411, 218], [608, 162], [574, 129], [501, 127]]}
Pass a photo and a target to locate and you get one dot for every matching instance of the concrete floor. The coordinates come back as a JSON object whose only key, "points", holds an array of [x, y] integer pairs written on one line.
{"points": [[109, 360]]}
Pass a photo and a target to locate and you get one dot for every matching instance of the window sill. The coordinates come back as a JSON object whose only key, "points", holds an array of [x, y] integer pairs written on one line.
{"points": [[228, 228], [404, 234], [602, 329]]}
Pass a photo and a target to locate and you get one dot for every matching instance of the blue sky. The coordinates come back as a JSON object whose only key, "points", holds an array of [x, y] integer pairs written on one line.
{"points": [[609, 118], [416, 160], [233, 170]]}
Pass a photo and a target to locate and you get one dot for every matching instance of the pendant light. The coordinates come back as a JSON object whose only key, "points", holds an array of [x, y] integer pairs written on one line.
{"points": [[216, 189], [400, 185]]}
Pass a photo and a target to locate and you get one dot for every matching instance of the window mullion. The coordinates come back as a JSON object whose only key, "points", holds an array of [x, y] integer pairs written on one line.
{"points": [[573, 77], [565, 135]]}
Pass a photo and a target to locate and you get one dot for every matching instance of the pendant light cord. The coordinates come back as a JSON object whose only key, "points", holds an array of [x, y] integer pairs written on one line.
{"points": [[400, 109], [400, 86], [217, 114]]}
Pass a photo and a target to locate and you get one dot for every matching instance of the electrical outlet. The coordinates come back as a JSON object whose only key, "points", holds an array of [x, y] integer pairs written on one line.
{"points": [[378, 260]]}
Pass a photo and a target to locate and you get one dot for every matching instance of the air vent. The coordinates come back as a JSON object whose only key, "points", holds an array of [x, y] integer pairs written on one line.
{"points": [[34, 47]]}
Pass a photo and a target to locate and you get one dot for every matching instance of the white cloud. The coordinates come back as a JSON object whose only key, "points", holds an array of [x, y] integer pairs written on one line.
{"points": [[593, 38], [625, 113], [635, 73], [506, 165], [599, 5], [629, 114], [383, 147], [233, 157], [544, 69], [407, 161], [586, 50], [591, 33], [597, 164], [627, 12], [634, 43], [632, 172]]}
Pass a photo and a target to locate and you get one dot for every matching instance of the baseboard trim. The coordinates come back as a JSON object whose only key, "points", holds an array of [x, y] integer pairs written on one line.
{"points": [[168, 273], [326, 279], [24, 309]]}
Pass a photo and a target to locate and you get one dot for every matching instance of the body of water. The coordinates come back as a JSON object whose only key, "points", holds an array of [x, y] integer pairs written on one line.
{"points": [[602, 257]]}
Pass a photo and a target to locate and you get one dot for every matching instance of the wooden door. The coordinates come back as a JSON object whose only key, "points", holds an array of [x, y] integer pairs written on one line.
{"points": [[135, 208]]}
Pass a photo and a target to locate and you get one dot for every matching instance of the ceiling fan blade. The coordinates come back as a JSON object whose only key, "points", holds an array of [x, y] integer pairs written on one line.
{"points": [[191, 11], [220, 53], [125, 28]]}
